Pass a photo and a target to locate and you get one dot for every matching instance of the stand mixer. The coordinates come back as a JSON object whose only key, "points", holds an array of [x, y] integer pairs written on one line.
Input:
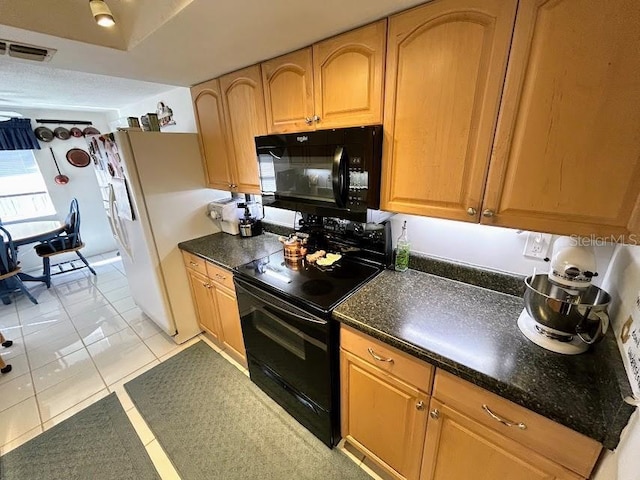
{"points": [[564, 312]]}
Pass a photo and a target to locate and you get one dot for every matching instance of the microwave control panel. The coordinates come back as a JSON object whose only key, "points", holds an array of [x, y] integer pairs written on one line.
{"points": [[358, 181]]}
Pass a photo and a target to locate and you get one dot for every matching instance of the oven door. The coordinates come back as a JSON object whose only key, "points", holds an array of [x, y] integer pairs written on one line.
{"points": [[292, 344], [309, 174]]}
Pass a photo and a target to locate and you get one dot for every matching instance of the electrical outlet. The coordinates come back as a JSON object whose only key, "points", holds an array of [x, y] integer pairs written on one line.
{"points": [[537, 245]]}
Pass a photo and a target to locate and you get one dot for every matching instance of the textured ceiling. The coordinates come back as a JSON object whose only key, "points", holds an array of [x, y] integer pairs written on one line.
{"points": [[175, 42], [34, 85]]}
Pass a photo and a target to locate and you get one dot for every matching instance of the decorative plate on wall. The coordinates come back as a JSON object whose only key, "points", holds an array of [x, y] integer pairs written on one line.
{"points": [[78, 157]]}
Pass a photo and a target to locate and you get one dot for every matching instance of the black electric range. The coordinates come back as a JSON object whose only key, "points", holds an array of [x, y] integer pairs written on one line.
{"points": [[306, 284], [285, 311]]}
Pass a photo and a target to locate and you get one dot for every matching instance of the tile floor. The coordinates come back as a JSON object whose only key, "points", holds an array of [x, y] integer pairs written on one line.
{"points": [[84, 339]]}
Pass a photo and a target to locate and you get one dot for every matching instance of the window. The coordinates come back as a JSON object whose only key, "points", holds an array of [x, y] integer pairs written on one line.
{"points": [[23, 193]]}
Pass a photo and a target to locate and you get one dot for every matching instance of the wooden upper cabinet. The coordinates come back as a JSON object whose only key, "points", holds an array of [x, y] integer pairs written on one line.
{"points": [[288, 92], [567, 146], [445, 69], [209, 113], [243, 101], [349, 76]]}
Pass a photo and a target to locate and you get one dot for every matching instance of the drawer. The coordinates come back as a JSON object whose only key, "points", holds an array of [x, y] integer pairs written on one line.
{"points": [[194, 263], [220, 275], [387, 358], [556, 442]]}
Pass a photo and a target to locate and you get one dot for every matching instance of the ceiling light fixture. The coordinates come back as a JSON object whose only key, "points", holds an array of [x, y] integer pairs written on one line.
{"points": [[102, 13]]}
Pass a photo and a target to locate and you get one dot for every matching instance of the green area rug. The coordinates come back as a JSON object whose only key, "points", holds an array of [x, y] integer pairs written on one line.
{"points": [[97, 443], [214, 423]]}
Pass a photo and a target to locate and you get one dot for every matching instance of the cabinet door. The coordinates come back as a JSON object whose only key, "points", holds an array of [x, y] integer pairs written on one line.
{"points": [[213, 135], [288, 92], [445, 68], [459, 448], [349, 76], [206, 309], [383, 416], [244, 112], [567, 146], [230, 321]]}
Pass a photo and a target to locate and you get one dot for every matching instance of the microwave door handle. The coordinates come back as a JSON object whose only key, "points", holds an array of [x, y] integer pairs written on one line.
{"points": [[339, 177]]}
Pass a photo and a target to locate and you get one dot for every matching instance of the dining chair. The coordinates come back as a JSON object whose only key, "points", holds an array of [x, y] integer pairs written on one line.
{"points": [[4, 368], [66, 242], [9, 269]]}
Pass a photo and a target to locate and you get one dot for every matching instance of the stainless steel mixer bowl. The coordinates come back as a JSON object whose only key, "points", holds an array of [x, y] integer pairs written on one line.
{"points": [[552, 306]]}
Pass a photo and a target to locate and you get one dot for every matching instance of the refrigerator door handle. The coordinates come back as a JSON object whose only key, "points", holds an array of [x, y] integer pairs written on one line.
{"points": [[119, 234]]}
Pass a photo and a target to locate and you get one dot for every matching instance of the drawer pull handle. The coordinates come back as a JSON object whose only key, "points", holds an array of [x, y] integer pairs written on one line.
{"points": [[221, 277], [193, 264], [378, 357], [508, 423]]}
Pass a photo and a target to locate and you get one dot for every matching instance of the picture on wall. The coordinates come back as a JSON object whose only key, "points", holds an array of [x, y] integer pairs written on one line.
{"points": [[165, 115]]}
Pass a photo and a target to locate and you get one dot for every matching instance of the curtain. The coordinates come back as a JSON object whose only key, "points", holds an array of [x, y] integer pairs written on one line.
{"points": [[17, 134]]}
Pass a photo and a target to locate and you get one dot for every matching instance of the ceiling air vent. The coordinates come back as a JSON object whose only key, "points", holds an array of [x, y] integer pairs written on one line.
{"points": [[26, 52]]}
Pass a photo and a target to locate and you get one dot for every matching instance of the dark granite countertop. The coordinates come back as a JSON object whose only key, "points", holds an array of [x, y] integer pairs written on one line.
{"points": [[472, 332], [229, 251]]}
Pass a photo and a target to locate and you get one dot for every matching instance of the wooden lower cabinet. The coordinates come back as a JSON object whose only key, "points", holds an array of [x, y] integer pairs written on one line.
{"points": [[417, 422], [383, 416], [230, 321], [206, 309], [216, 305], [460, 448]]}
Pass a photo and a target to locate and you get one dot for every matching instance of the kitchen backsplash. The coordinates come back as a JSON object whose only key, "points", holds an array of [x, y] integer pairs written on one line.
{"points": [[492, 248]]}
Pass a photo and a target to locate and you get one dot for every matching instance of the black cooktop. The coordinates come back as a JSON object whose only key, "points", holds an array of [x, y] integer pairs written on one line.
{"points": [[322, 287]]}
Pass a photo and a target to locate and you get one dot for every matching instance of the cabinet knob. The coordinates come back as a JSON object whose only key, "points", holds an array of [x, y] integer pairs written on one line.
{"points": [[487, 213], [308, 120], [435, 413], [193, 264], [420, 405], [206, 285], [316, 118], [471, 211]]}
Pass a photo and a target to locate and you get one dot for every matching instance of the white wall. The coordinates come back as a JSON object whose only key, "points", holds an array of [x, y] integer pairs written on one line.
{"points": [[623, 283], [95, 230], [493, 248], [178, 99]]}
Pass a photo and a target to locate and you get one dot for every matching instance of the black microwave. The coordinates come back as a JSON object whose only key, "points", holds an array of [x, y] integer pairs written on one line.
{"points": [[332, 173]]}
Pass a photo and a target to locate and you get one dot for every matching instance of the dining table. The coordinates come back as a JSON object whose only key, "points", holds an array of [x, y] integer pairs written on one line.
{"points": [[26, 233]]}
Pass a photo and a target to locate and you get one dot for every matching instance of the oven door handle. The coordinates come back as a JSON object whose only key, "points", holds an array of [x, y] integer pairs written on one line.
{"points": [[262, 299], [339, 177], [301, 317]]}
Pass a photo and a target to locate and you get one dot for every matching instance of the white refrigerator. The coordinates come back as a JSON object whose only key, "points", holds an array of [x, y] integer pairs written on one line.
{"points": [[153, 186]]}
